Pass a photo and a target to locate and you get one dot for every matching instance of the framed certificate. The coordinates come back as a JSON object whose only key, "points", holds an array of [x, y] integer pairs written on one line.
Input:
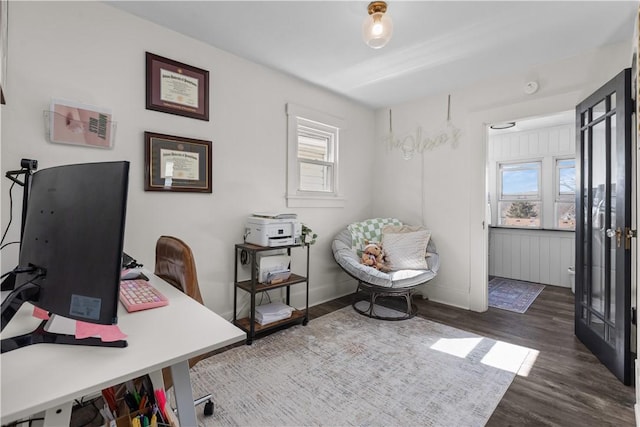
{"points": [[173, 163], [177, 88]]}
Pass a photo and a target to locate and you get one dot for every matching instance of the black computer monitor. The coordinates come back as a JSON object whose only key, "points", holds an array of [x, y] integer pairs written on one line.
{"points": [[71, 251]]}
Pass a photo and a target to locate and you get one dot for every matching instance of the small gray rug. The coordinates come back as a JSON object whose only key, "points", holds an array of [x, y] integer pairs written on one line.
{"points": [[345, 369], [513, 295]]}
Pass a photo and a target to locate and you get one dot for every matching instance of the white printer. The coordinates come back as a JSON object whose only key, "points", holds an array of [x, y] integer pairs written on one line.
{"points": [[273, 230]]}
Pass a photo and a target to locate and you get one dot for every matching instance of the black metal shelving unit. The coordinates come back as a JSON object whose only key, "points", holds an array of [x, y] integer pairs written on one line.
{"points": [[253, 287]]}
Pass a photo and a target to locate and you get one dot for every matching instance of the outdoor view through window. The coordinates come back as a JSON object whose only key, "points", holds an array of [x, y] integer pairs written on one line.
{"points": [[521, 200]]}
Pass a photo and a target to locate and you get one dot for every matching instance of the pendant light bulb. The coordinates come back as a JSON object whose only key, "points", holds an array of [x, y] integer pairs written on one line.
{"points": [[377, 28]]}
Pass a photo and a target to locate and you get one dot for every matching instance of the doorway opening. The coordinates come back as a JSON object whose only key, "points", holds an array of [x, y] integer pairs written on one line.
{"points": [[530, 205]]}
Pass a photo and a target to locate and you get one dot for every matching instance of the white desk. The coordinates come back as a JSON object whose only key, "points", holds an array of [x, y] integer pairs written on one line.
{"points": [[48, 377]]}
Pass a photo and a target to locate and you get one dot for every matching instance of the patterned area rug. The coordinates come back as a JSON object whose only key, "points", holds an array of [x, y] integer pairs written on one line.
{"points": [[345, 369], [512, 295]]}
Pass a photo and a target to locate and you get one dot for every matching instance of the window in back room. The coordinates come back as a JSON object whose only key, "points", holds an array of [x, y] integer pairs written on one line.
{"points": [[520, 201], [565, 194], [531, 173]]}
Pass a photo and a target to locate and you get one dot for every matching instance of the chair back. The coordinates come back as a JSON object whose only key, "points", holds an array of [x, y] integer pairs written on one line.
{"points": [[175, 264]]}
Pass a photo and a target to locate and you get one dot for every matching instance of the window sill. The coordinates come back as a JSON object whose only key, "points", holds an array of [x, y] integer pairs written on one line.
{"points": [[297, 201], [506, 227]]}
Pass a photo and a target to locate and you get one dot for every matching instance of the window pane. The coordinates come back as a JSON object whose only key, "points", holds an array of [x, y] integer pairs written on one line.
{"points": [[524, 213], [566, 215], [566, 178], [313, 147], [520, 179], [315, 177]]}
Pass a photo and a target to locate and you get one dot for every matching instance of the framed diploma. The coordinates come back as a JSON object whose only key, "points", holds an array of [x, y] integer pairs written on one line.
{"points": [[176, 88], [173, 163]]}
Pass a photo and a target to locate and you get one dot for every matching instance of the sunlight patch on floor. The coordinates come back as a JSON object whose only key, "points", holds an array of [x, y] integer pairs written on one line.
{"points": [[510, 357], [459, 347], [507, 357]]}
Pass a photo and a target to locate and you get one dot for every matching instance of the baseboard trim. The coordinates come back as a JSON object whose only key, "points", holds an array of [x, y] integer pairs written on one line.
{"points": [[447, 296]]}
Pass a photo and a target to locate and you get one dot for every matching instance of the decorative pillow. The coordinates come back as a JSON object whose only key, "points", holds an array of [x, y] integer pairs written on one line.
{"points": [[406, 248], [368, 231], [402, 228]]}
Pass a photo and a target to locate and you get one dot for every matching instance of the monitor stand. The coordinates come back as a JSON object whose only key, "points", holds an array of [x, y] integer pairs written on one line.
{"points": [[40, 335], [9, 282]]}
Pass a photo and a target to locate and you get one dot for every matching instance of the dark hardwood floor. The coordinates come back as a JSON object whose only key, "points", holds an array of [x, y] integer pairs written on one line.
{"points": [[566, 386]]}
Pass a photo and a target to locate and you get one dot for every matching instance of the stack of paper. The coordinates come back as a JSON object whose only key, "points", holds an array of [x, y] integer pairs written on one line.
{"points": [[272, 312]]}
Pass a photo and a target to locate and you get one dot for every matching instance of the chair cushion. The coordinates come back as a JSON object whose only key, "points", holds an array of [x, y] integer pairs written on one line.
{"points": [[346, 257], [369, 230]]}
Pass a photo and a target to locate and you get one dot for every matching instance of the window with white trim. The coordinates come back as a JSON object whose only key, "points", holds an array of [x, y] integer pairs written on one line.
{"points": [[316, 156], [519, 192], [312, 175], [565, 194]]}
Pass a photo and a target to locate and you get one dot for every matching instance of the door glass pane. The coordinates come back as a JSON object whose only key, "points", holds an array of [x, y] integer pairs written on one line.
{"points": [[586, 214], [596, 324], [611, 336], [598, 214], [613, 102], [614, 174], [599, 109]]}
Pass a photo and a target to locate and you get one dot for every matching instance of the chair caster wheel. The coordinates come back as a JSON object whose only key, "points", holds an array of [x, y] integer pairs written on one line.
{"points": [[208, 408]]}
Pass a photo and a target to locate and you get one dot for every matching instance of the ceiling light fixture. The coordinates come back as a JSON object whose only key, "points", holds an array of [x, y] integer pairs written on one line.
{"points": [[500, 126], [377, 27]]}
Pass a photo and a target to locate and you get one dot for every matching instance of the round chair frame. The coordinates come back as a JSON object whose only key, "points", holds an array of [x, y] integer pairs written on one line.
{"points": [[378, 291]]}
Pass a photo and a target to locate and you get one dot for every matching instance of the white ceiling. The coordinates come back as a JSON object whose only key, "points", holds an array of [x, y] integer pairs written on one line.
{"points": [[437, 46]]}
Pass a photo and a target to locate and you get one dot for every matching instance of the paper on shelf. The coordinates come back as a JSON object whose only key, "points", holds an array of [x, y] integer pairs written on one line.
{"points": [[273, 312]]}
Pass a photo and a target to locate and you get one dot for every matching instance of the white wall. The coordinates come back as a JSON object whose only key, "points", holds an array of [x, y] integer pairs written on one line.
{"points": [[540, 256], [455, 193], [92, 53]]}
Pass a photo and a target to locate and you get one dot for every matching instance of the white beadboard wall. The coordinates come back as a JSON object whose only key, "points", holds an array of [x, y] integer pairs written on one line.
{"points": [[541, 256]]}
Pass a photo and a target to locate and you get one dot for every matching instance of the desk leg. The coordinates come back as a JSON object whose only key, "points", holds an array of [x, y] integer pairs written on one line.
{"points": [[58, 416], [183, 393]]}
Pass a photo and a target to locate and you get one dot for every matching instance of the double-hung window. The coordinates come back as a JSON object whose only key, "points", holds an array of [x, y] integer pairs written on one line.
{"points": [[316, 156], [312, 174], [519, 203], [565, 194]]}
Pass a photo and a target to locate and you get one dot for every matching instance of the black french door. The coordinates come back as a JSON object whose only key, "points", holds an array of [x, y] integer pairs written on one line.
{"points": [[603, 220]]}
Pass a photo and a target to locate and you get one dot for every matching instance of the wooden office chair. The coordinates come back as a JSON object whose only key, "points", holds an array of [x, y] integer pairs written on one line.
{"points": [[176, 265]]}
